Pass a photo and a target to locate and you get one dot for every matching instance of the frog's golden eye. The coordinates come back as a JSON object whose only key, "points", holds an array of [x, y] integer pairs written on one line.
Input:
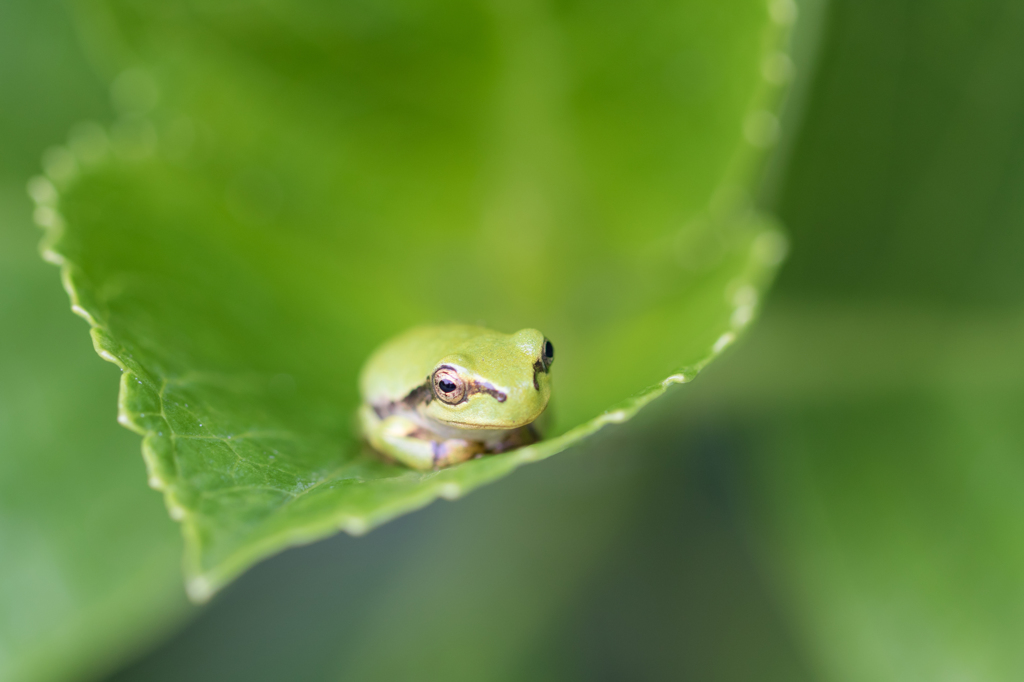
{"points": [[448, 385]]}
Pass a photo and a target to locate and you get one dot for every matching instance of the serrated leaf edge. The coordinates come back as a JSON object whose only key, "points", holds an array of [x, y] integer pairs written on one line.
{"points": [[62, 167]]}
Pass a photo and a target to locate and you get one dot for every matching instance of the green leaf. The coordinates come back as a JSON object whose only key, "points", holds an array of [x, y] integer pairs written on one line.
{"points": [[289, 185]]}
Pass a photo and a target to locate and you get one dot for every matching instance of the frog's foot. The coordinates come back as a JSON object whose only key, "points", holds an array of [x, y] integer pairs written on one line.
{"points": [[406, 442], [455, 451], [417, 449]]}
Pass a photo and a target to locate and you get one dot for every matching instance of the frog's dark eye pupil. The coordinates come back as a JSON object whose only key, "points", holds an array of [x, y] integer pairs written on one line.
{"points": [[549, 350], [448, 386]]}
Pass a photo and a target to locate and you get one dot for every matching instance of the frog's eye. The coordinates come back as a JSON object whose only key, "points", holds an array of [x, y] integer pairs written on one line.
{"points": [[549, 353], [448, 385]]}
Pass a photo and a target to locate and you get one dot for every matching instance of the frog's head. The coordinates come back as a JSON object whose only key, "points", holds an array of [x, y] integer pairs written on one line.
{"points": [[492, 381]]}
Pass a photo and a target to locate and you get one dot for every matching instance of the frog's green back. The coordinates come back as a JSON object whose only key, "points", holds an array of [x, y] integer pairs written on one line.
{"points": [[405, 361]]}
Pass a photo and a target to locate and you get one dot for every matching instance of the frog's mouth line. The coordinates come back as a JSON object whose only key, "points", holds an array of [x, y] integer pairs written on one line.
{"points": [[485, 427]]}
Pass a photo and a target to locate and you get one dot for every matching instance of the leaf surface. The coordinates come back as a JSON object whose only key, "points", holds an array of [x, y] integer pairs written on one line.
{"points": [[290, 184]]}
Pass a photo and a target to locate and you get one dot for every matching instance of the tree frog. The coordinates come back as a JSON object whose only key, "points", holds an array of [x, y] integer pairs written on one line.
{"points": [[440, 395]]}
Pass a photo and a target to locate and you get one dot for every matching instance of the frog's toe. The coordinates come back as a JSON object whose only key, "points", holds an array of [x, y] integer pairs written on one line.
{"points": [[456, 451]]}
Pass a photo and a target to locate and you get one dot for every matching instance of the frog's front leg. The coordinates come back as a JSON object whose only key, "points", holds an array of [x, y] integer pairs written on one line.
{"points": [[405, 441]]}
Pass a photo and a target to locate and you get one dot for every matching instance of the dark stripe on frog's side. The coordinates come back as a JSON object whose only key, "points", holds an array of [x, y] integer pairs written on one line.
{"points": [[420, 395]]}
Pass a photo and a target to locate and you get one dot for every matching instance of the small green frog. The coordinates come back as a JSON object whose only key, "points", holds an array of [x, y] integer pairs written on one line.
{"points": [[437, 396]]}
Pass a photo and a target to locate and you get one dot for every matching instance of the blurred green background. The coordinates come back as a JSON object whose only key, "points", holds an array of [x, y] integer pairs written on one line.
{"points": [[837, 499]]}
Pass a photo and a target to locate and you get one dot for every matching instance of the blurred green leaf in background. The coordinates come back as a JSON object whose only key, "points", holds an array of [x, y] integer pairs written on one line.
{"points": [[837, 499], [889, 456], [88, 558]]}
